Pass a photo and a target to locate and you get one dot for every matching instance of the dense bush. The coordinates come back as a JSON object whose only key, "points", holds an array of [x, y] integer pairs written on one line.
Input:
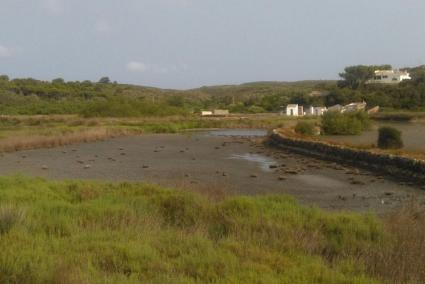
{"points": [[304, 128], [335, 123], [389, 138]]}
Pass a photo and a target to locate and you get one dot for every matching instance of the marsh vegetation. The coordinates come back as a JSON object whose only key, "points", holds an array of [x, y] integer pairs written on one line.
{"points": [[86, 232]]}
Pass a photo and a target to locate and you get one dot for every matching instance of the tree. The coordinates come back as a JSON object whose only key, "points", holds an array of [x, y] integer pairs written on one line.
{"points": [[4, 78], [58, 81], [417, 74], [356, 76], [104, 80]]}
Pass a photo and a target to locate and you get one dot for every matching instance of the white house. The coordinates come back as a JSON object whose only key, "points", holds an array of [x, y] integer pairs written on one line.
{"points": [[221, 112], [206, 113], [389, 77], [292, 110], [317, 111], [216, 112]]}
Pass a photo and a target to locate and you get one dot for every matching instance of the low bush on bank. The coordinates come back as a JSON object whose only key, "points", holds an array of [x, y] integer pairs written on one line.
{"points": [[305, 128], [86, 232], [389, 138], [335, 123]]}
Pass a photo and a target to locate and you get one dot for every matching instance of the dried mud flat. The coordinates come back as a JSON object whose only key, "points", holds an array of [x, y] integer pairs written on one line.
{"points": [[238, 165]]}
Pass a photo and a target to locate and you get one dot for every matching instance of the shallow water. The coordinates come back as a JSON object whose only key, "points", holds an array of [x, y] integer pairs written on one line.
{"points": [[262, 161], [238, 133], [206, 162]]}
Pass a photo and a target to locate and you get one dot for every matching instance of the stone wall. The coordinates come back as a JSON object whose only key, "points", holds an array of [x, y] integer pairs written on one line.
{"points": [[396, 166]]}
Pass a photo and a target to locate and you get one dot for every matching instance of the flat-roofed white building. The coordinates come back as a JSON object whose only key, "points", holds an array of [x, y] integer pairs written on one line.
{"points": [[206, 113], [316, 111], [389, 77], [292, 110], [319, 111]]}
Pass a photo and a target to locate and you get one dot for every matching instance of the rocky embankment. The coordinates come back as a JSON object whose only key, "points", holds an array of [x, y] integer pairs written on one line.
{"points": [[395, 166]]}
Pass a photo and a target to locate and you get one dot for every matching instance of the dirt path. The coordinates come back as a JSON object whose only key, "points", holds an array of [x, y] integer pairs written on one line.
{"points": [[199, 161]]}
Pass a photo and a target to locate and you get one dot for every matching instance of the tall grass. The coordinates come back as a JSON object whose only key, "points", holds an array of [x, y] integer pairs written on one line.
{"points": [[16, 143], [86, 232], [29, 132]]}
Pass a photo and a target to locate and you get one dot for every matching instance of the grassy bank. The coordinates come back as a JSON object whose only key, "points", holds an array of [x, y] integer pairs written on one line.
{"points": [[28, 132], [85, 232], [394, 115]]}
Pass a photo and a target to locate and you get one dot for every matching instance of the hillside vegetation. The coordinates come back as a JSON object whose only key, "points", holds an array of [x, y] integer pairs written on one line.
{"points": [[87, 232], [111, 99], [107, 99]]}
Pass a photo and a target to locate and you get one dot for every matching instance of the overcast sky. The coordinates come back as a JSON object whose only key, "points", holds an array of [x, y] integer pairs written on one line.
{"points": [[190, 43]]}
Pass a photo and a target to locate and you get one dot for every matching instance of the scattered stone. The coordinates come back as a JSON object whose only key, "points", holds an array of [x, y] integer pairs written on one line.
{"points": [[273, 167], [253, 176], [217, 148], [64, 152], [282, 178], [80, 162], [181, 151], [145, 166], [292, 172], [224, 174], [87, 167], [388, 193], [45, 167], [123, 154], [357, 182], [24, 156]]}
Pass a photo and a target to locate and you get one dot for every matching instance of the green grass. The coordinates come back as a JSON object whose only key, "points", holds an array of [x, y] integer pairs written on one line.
{"points": [[88, 232]]}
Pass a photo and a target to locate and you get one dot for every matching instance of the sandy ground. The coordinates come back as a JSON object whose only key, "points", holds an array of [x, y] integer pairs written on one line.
{"points": [[232, 164]]}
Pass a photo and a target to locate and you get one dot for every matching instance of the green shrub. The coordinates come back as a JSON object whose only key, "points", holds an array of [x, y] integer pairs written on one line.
{"points": [[304, 128], [335, 123], [389, 138]]}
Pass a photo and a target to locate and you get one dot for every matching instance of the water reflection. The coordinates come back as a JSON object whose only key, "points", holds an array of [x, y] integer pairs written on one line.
{"points": [[263, 161]]}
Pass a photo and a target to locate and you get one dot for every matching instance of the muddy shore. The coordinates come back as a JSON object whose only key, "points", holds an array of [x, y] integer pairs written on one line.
{"points": [[238, 165]]}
